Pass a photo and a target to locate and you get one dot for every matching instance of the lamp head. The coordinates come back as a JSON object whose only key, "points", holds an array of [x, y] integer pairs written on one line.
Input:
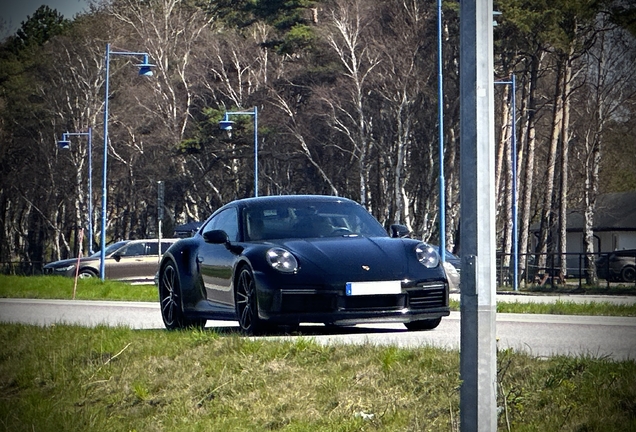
{"points": [[226, 125], [64, 144], [145, 68]]}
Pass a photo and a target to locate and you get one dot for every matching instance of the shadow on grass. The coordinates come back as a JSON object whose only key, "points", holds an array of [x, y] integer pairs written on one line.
{"points": [[306, 330]]}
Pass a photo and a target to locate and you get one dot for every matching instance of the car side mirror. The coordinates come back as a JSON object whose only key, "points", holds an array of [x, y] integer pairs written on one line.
{"points": [[216, 237], [399, 231], [117, 257]]}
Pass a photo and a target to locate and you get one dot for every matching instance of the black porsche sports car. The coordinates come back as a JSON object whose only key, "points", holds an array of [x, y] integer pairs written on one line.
{"points": [[283, 260]]}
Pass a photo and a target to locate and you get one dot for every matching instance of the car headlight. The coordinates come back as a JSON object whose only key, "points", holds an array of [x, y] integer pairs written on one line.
{"points": [[282, 260], [64, 269], [427, 255]]}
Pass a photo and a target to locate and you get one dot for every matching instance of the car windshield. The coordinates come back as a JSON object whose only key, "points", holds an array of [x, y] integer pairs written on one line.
{"points": [[310, 219], [110, 249]]}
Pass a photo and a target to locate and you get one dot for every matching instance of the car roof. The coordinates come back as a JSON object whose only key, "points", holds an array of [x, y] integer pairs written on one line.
{"points": [[151, 239], [281, 199], [627, 252]]}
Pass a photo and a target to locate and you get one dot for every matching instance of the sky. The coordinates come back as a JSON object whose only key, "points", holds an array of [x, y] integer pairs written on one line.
{"points": [[13, 12]]}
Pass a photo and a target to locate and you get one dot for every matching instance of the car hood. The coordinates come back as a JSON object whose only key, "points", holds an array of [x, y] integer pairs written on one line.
{"points": [[68, 262], [363, 257]]}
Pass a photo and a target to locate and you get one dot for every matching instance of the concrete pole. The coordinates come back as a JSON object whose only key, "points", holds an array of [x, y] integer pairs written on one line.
{"points": [[478, 354]]}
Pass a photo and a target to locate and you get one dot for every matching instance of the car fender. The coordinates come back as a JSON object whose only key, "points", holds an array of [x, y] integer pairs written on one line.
{"points": [[183, 255]]}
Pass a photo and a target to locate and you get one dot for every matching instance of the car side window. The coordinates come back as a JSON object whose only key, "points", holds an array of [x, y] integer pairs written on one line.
{"points": [[134, 249], [152, 248], [227, 221]]}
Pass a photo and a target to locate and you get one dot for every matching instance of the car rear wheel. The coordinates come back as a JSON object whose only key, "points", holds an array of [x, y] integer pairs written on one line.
{"points": [[628, 274], [170, 300], [423, 324], [246, 303]]}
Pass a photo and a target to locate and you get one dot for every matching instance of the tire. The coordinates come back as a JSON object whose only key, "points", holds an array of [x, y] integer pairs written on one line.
{"points": [[247, 304], [170, 300], [628, 274], [429, 324], [86, 273]]}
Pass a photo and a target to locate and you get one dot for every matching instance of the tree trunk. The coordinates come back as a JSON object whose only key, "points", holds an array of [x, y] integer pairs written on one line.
{"points": [[528, 173], [547, 219], [565, 148]]}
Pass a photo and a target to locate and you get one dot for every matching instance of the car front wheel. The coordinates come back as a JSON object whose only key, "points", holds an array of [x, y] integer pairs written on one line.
{"points": [[86, 273], [423, 324], [246, 303], [170, 300]]}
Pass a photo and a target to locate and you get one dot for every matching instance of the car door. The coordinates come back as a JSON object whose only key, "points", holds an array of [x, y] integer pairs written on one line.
{"points": [[148, 264], [216, 262], [129, 263]]}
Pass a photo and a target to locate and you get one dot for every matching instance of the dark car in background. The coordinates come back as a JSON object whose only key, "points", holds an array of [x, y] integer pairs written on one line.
{"points": [[134, 261], [617, 266], [286, 260]]}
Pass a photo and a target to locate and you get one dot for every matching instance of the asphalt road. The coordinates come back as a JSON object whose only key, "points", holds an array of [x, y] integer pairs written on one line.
{"points": [[539, 335]]}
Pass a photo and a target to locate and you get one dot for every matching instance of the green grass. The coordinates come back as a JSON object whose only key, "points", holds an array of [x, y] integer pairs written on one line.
{"points": [[569, 308], [67, 378], [58, 287], [614, 288], [560, 307]]}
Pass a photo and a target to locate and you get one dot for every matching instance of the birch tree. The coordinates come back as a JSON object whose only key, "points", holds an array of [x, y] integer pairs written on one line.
{"points": [[344, 35], [610, 81]]}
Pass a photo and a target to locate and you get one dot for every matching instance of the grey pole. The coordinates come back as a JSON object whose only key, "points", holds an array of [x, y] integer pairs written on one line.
{"points": [[478, 355]]}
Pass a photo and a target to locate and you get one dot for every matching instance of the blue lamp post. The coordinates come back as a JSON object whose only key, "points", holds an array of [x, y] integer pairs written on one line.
{"points": [[226, 125], [440, 112], [145, 69], [513, 151], [65, 144]]}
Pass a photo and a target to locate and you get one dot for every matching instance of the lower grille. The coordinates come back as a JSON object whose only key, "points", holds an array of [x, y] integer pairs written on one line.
{"points": [[311, 302], [372, 302], [428, 297]]}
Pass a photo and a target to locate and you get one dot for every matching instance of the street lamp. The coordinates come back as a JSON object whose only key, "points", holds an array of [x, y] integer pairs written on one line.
{"points": [[145, 69], [65, 144], [226, 125], [513, 151]]}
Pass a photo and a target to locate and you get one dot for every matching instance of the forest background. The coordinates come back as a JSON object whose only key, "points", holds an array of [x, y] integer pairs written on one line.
{"points": [[347, 99]]}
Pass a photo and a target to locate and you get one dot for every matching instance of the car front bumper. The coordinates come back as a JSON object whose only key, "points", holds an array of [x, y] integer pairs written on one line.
{"points": [[330, 304]]}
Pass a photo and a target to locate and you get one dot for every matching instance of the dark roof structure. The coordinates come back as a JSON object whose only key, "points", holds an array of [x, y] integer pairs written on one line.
{"points": [[187, 230], [614, 212]]}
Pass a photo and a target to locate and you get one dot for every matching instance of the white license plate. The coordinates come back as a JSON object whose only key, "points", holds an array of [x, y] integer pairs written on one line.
{"points": [[372, 288]]}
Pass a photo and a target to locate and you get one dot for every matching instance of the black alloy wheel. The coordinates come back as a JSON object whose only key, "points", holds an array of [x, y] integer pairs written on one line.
{"points": [[246, 303], [429, 324], [628, 274], [170, 300]]}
